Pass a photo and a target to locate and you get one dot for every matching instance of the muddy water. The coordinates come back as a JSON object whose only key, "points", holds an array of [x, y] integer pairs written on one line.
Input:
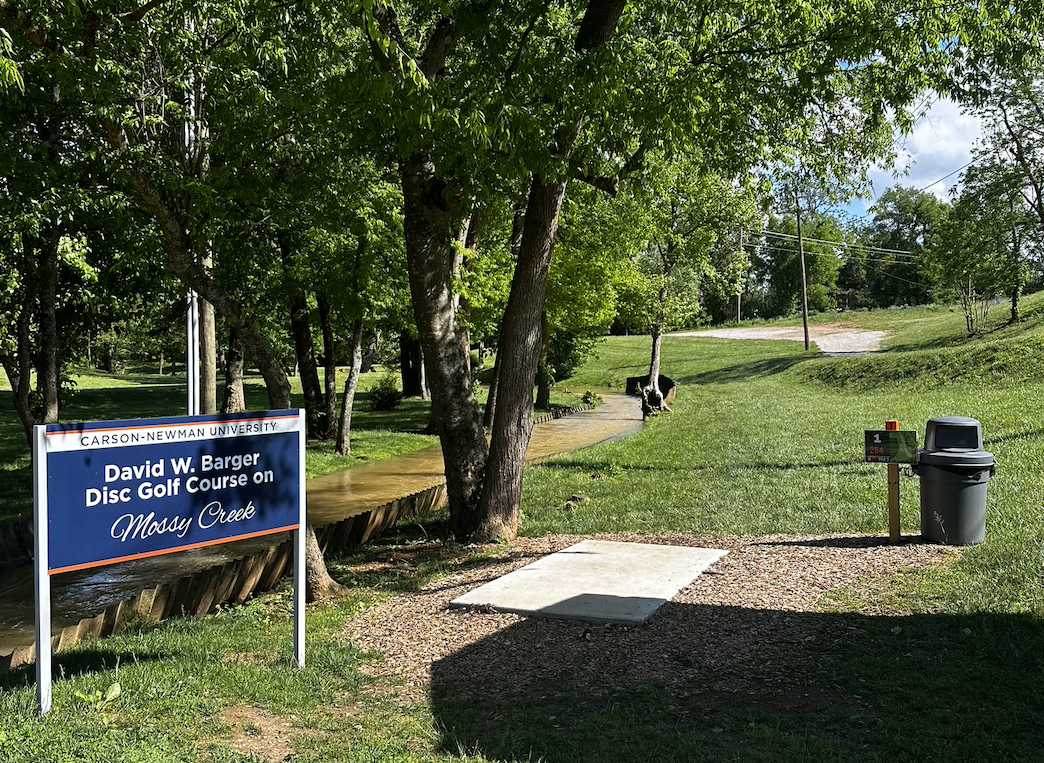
{"points": [[76, 595]]}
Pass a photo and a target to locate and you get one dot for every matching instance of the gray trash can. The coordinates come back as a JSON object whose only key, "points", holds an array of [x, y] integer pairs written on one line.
{"points": [[954, 470]]}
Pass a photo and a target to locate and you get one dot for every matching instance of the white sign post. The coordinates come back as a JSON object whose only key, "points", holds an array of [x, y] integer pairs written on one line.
{"points": [[41, 578], [106, 492]]}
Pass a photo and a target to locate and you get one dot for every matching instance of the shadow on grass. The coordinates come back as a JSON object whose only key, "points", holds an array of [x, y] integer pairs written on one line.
{"points": [[604, 468], [411, 556], [755, 369], [84, 660], [145, 401], [699, 682], [410, 415], [1013, 437]]}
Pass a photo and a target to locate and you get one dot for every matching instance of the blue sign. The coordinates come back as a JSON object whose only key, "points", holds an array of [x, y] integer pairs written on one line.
{"points": [[121, 490]]}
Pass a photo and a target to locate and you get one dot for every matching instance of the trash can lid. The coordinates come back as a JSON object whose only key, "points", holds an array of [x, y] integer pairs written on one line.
{"points": [[974, 458], [953, 433]]}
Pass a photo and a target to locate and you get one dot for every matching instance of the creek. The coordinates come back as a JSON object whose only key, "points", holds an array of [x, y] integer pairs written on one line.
{"points": [[76, 595]]}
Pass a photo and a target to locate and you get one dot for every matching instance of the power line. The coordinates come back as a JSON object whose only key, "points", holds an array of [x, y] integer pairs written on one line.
{"points": [[866, 247], [866, 258], [969, 164], [898, 278]]}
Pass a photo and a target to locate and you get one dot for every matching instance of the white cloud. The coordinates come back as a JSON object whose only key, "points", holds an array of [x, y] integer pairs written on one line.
{"points": [[939, 145]]}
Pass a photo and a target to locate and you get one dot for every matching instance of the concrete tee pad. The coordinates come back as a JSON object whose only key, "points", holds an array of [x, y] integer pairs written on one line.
{"points": [[595, 580]]}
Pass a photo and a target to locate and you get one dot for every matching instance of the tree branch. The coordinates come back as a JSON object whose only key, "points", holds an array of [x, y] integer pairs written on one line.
{"points": [[386, 20], [135, 16], [599, 23], [510, 71], [609, 184], [21, 21], [439, 46]]}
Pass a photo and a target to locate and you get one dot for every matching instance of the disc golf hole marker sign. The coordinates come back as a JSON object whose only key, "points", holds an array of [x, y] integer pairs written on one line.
{"points": [[107, 492], [893, 447]]}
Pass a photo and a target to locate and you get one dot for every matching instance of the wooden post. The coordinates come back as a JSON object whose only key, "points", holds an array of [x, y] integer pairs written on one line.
{"points": [[894, 535]]}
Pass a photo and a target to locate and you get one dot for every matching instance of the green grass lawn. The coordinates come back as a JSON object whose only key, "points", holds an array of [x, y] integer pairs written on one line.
{"points": [[943, 664]]}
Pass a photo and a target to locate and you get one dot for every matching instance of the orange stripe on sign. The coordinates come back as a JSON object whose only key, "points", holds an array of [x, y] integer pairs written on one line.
{"points": [[147, 554]]}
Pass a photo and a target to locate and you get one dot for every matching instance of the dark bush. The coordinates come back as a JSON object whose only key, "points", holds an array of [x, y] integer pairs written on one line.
{"points": [[385, 394]]}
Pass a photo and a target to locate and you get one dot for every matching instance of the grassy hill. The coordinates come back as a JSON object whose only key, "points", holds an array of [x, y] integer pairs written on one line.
{"points": [[766, 438]]}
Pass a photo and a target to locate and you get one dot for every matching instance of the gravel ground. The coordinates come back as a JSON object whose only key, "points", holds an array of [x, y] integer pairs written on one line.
{"points": [[743, 625], [832, 339]]}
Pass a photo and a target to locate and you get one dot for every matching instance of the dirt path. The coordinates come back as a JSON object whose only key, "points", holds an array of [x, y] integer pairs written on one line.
{"points": [[831, 339]]}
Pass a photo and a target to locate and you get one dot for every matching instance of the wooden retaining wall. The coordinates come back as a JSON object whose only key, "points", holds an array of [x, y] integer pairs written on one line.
{"points": [[559, 413], [233, 582]]}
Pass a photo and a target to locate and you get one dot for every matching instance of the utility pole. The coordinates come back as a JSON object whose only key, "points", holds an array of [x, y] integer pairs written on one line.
{"points": [[201, 341], [739, 290], [801, 256], [192, 319]]}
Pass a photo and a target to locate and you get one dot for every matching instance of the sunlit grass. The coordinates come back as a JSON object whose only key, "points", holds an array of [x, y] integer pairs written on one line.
{"points": [[939, 664]]}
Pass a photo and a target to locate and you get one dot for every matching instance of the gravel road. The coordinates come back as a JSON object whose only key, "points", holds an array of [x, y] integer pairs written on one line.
{"points": [[831, 339]]}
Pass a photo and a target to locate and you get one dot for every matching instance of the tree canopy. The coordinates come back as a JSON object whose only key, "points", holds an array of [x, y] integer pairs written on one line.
{"points": [[283, 150]]}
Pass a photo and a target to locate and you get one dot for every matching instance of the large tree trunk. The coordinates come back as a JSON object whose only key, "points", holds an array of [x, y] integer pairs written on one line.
{"points": [[37, 299], [47, 372], [329, 364], [455, 411], [518, 221], [207, 358], [304, 349], [234, 401], [344, 423], [207, 349], [520, 341]]}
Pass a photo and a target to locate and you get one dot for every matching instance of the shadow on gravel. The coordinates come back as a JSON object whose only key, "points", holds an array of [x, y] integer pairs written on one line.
{"points": [[853, 541], [705, 683]]}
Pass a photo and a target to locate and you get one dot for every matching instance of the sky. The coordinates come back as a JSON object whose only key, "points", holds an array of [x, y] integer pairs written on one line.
{"points": [[941, 143]]}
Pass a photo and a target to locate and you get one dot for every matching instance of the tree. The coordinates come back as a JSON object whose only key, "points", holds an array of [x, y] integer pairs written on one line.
{"points": [[161, 87], [473, 95], [904, 219], [67, 243], [145, 78], [688, 214], [968, 256], [1006, 172]]}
